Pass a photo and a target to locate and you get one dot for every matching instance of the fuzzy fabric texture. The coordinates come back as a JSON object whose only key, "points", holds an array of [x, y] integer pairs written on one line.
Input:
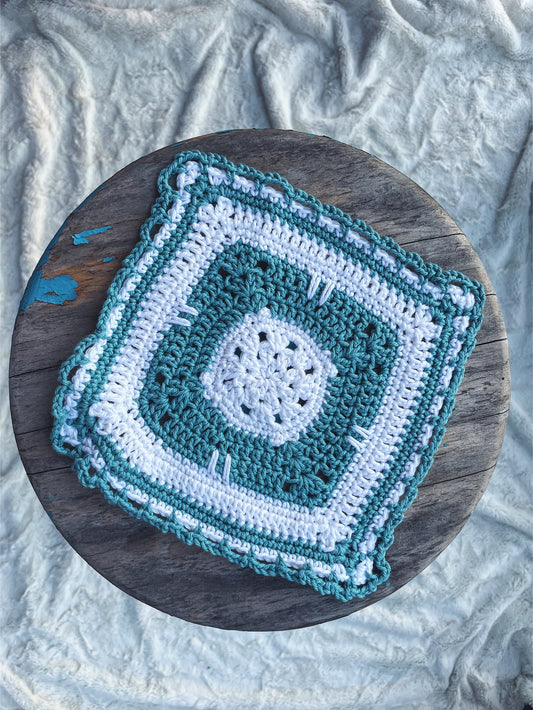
{"points": [[438, 90]]}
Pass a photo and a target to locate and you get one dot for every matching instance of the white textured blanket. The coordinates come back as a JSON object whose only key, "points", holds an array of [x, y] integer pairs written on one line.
{"points": [[440, 91]]}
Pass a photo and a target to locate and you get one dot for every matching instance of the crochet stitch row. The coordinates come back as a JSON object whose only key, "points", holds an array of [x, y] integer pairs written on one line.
{"points": [[269, 378]]}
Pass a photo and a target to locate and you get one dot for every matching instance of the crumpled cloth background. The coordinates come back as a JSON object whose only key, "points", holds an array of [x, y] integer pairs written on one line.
{"points": [[440, 91]]}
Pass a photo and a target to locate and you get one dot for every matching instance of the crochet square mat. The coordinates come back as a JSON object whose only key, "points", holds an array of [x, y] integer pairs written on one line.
{"points": [[269, 378]]}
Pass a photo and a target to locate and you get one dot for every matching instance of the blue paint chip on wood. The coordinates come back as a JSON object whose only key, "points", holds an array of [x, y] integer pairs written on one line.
{"points": [[56, 290], [61, 288], [82, 237], [109, 258]]}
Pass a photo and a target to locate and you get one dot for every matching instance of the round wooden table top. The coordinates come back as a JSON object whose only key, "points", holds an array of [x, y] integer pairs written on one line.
{"points": [[61, 306]]}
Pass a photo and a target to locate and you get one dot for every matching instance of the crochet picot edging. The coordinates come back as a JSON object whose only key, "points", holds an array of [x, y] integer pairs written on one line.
{"points": [[269, 378]]}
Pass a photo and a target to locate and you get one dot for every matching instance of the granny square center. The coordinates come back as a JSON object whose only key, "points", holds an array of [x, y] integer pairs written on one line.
{"points": [[268, 377]]}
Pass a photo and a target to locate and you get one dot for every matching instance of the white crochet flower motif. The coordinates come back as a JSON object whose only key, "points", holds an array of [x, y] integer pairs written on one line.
{"points": [[268, 377]]}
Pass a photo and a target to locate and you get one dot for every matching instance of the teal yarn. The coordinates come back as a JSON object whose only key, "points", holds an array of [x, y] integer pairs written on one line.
{"points": [[269, 378]]}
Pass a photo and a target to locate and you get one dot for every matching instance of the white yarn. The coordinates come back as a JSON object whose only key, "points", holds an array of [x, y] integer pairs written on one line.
{"points": [[268, 377], [259, 383]]}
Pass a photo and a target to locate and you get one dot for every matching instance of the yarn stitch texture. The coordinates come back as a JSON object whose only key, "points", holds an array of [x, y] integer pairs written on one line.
{"points": [[269, 378]]}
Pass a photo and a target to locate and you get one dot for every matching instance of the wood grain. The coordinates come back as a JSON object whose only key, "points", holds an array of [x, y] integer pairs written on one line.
{"points": [[158, 569]]}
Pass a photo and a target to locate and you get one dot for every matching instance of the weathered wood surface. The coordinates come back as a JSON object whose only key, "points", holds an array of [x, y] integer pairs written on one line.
{"points": [[157, 568]]}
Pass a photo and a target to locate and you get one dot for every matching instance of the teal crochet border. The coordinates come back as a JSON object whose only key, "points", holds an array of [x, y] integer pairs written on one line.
{"points": [[427, 272]]}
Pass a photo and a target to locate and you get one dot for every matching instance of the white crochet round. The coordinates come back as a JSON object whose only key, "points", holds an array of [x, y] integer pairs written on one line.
{"points": [[268, 377]]}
